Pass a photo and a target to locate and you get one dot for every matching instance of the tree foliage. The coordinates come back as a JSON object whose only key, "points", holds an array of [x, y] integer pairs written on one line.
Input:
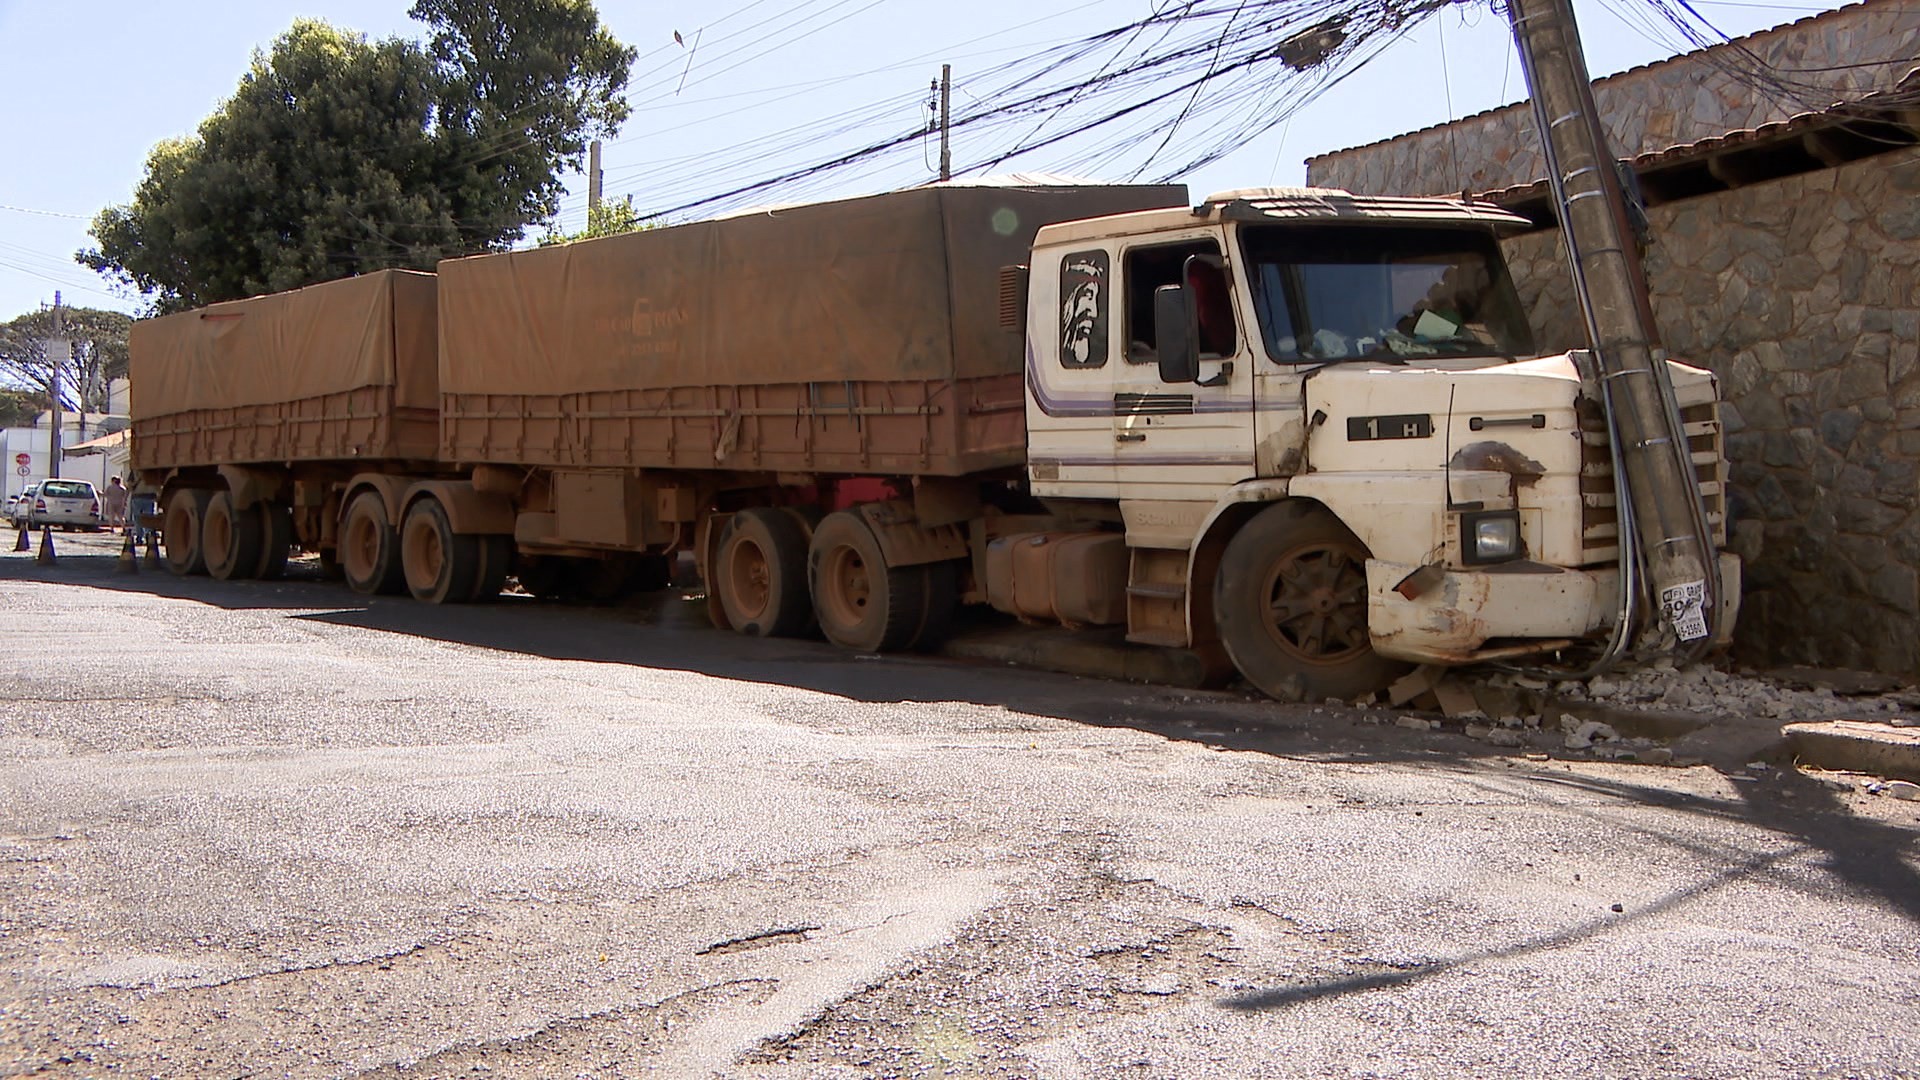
{"points": [[19, 408], [607, 219], [338, 155], [99, 356]]}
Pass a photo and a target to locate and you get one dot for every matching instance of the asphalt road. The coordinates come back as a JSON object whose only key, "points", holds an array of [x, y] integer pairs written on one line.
{"points": [[273, 829]]}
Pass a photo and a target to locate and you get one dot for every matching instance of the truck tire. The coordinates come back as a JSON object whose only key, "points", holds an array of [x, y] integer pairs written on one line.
{"points": [[369, 550], [230, 538], [860, 601], [441, 566], [760, 574], [496, 558], [942, 601], [1290, 604], [180, 530], [276, 540], [330, 568]]}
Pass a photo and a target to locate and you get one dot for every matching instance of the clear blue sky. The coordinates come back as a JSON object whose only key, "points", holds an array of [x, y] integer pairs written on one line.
{"points": [[91, 85]]}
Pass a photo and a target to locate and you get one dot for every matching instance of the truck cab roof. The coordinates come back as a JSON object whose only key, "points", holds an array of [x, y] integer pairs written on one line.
{"points": [[1288, 204]]}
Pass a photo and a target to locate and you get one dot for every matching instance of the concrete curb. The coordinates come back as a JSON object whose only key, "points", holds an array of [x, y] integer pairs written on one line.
{"points": [[1857, 746]]}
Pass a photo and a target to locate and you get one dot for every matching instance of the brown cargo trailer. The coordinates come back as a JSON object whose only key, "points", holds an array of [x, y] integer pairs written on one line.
{"points": [[249, 415], [346, 370], [867, 336], [1212, 425]]}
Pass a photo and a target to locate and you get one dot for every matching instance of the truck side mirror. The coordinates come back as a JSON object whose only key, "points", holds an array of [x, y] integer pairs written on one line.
{"points": [[1176, 334]]}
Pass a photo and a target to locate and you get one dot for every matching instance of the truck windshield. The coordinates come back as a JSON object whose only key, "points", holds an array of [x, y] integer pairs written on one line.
{"points": [[1329, 293]]}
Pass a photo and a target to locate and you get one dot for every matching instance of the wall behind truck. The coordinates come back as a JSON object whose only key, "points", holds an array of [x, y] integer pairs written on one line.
{"points": [[862, 335], [1801, 294]]}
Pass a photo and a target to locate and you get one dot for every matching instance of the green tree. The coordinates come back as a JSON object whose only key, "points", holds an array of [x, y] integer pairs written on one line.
{"points": [[337, 155], [607, 219], [18, 408], [99, 356]]}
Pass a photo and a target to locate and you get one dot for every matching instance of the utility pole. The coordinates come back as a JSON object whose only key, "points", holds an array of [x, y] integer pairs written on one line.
{"points": [[1660, 495], [57, 346], [946, 146], [593, 179]]}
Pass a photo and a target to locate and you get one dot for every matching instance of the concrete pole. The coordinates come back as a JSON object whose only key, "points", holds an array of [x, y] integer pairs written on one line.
{"points": [[593, 179], [56, 359], [946, 116], [1661, 485]]}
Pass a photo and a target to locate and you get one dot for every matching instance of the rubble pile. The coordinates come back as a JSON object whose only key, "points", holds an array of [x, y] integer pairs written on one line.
{"points": [[1707, 691]]}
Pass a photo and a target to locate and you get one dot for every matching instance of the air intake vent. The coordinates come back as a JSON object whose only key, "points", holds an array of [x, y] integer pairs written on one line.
{"points": [[1013, 298]]}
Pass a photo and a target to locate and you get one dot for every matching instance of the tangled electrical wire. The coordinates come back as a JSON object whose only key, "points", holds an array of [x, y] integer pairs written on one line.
{"points": [[1189, 83], [1159, 97]]}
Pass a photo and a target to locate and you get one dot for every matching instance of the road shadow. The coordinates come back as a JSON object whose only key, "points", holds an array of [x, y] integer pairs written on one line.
{"points": [[670, 631], [1872, 860]]}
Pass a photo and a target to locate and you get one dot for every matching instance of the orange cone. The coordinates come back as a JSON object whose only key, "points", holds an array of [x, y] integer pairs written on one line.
{"points": [[45, 558], [125, 564], [153, 549], [21, 544]]}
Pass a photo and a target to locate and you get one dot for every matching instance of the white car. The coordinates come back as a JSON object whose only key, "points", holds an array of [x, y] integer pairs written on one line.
{"points": [[70, 504]]}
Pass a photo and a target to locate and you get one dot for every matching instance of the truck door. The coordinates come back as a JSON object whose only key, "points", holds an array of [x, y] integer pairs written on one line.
{"points": [[1071, 348], [1191, 440]]}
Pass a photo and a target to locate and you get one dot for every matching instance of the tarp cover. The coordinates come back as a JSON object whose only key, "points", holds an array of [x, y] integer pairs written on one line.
{"points": [[373, 330], [902, 286]]}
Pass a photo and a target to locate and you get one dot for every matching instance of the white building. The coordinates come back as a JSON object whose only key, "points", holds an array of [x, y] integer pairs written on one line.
{"points": [[25, 451]]}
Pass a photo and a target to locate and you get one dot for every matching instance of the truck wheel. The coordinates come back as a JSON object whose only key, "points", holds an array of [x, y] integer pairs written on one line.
{"points": [[1291, 607], [441, 566], [942, 601], [861, 602], [180, 531], [369, 551], [276, 533], [760, 574], [231, 538], [496, 556]]}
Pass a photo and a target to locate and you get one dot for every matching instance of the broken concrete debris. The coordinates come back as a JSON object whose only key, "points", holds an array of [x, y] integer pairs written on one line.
{"points": [[1705, 690], [1581, 735]]}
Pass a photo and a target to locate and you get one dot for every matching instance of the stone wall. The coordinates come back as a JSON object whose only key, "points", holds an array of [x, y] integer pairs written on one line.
{"points": [[1801, 294], [1650, 108]]}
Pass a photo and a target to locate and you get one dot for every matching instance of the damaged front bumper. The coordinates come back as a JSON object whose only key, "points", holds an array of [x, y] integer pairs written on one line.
{"points": [[1526, 607]]}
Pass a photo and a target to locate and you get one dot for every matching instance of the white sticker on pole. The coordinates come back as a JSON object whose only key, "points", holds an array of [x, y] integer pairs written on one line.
{"points": [[1685, 606]]}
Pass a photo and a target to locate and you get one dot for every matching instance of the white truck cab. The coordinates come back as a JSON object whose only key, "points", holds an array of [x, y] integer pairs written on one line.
{"points": [[1321, 422]]}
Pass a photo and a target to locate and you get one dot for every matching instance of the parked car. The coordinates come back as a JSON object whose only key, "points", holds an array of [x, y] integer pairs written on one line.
{"points": [[19, 505], [70, 504]]}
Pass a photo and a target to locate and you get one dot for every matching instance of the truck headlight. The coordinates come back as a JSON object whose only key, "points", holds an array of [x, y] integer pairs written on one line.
{"points": [[1490, 536]]}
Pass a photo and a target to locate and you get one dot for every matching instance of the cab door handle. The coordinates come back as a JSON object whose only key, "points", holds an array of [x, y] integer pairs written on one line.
{"points": [[1131, 436]]}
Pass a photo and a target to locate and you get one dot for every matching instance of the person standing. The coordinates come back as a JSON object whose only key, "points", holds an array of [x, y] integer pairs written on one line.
{"points": [[113, 503]]}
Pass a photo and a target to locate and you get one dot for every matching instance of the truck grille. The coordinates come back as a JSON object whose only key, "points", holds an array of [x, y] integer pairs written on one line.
{"points": [[1599, 516]]}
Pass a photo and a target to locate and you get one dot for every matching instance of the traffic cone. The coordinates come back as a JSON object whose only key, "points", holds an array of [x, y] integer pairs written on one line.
{"points": [[153, 549], [45, 557], [21, 544], [125, 564]]}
